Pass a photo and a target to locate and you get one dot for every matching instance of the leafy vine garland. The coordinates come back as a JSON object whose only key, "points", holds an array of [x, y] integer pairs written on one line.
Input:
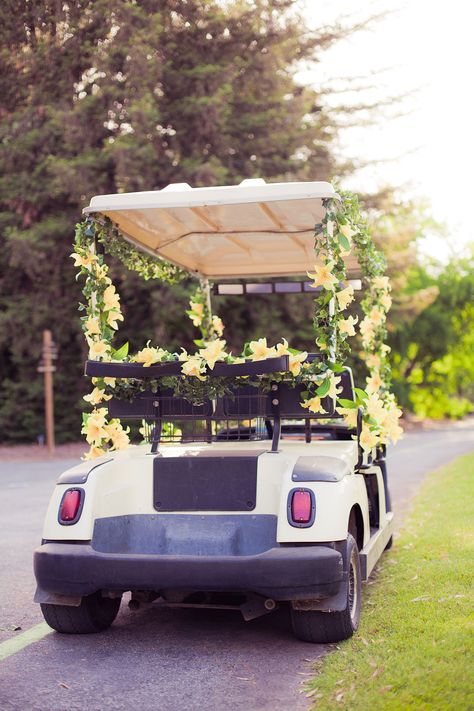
{"points": [[341, 231]]}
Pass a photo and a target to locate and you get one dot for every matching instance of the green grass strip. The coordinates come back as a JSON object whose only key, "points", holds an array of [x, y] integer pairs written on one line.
{"points": [[414, 648], [20, 641]]}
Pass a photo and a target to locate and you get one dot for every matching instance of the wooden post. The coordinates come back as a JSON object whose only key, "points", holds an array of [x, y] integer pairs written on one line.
{"points": [[47, 368]]}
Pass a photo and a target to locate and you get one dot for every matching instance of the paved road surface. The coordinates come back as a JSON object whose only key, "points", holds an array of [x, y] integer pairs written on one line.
{"points": [[162, 660]]}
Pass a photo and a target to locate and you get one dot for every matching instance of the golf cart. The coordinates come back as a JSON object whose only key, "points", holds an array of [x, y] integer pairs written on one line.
{"points": [[261, 480]]}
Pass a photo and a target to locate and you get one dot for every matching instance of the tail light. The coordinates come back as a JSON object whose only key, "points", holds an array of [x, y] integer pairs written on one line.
{"points": [[70, 508], [301, 508]]}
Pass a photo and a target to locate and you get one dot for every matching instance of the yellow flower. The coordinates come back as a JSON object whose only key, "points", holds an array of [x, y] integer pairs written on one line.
{"points": [[98, 349], [117, 435], [92, 326], [148, 356], [368, 439], [281, 349], [313, 405], [384, 349], [84, 261], [391, 429], [373, 361], [260, 350], [323, 276], [374, 383], [350, 415], [100, 273], [322, 346], [197, 320], [334, 381], [347, 231], [111, 299], [197, 313], [94, 428], [376, 316], [386, 301], [394, 432], [193, 366], [94, 452], [375, 408], [96, 396], [345, 296], [382, 282], [295, 362], [113, 317], [197, 308], [213, 352], [218, 325], [347, 325], [366, 329]]}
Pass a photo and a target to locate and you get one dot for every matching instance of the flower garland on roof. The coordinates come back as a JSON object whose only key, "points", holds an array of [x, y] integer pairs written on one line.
{"points": [[341, 230]]}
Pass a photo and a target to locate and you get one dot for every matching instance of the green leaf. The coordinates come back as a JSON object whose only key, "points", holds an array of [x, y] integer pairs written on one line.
{"points": [[347, 403], [121, 353], [361, 394], [324, 388], [344, 242]]}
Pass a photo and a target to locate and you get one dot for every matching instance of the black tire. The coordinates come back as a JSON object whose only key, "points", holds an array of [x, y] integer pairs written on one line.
{"points": [[94, 614], [323, 627], [389, 543]]}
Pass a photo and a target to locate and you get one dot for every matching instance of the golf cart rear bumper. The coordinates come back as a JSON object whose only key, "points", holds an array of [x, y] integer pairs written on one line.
{"points": [[283, 572]]}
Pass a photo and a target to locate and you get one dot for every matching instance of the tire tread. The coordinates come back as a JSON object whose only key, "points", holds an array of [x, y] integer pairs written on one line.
{"points": [[94, 614]]}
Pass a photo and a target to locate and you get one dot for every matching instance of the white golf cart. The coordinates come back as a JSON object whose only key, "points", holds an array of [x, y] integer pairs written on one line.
{"points": [[245, 495]]}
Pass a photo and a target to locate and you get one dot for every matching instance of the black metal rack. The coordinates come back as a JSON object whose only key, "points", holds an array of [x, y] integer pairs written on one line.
{"points": [[250, 411]]}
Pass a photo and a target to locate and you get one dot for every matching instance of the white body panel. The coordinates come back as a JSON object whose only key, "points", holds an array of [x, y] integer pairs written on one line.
{"points": [[123, 485]]}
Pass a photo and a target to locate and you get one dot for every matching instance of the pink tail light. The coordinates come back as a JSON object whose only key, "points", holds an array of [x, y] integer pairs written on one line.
{"points": [[71, 505]]}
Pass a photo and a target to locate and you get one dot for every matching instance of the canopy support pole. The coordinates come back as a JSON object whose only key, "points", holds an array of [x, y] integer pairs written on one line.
{"points": [[206, 289]]}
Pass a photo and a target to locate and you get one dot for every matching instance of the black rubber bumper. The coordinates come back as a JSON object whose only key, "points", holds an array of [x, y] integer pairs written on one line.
{"points": [[283, 572]]}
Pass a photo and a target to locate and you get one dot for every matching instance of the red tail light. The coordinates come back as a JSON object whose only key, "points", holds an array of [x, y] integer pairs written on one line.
{"points": [[301, 507], [70, 508]]}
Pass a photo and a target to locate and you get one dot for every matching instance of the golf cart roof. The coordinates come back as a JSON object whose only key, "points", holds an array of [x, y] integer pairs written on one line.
{"points": [[253, 229]]}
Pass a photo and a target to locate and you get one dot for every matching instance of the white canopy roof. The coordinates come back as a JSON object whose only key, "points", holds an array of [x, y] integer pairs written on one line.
{"points": [[247, 230]]}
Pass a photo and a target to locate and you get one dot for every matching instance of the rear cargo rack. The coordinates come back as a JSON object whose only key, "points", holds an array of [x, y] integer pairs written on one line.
{"points": [[249, 411]]}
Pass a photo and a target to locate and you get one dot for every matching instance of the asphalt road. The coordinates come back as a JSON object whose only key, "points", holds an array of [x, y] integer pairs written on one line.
{"points": [[158, 660]]}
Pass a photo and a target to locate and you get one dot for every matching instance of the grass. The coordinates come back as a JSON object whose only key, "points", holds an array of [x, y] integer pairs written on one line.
{"points": [[414, 648]]}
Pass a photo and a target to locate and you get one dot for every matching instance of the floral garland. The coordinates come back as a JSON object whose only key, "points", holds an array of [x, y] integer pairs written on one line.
{"points": [[379, 407], [200, 313], [341, 230]]}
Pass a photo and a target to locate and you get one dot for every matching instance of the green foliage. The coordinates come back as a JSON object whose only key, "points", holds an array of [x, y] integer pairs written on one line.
{"points": [[433, 367]]}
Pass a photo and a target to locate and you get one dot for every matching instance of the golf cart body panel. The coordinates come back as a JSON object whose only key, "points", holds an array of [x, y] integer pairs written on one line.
{"points": [[124, 486]]}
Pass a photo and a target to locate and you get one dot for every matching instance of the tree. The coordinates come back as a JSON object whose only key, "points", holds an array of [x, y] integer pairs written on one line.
{"points": [[433, 364]]}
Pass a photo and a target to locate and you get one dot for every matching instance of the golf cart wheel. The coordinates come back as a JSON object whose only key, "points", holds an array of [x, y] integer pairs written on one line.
{"points": [[322, 627], [94, 614]]}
